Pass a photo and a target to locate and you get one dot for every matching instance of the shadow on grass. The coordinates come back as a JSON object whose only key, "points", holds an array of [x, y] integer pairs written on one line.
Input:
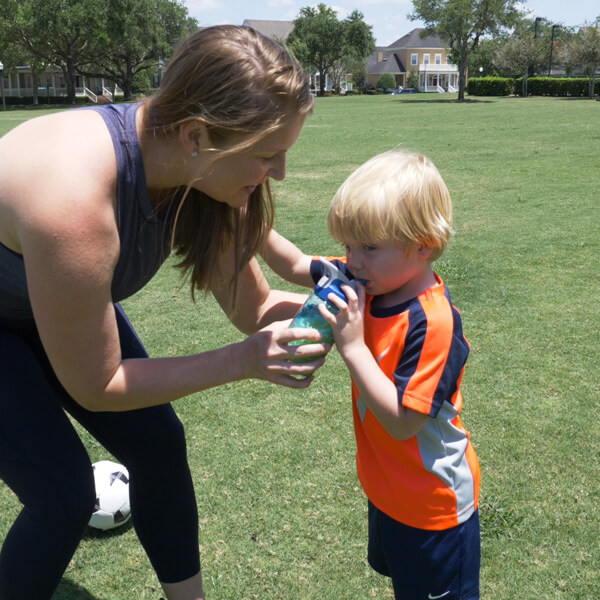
{"points": [[578, 98], [67, 590], [98, 534], [408, 101]]}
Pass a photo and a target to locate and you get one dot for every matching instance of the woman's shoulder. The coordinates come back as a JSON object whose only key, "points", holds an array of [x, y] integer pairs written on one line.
{"points": [[56, 169]]}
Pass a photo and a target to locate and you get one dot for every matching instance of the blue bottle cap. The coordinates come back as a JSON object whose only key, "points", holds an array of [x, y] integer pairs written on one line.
{"points": [[331, 281]]}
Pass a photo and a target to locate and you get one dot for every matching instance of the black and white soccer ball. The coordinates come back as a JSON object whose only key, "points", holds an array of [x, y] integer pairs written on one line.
{"points": [[112, 495]]}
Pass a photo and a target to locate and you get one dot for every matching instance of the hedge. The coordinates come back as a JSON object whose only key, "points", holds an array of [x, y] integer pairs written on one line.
{"points": [[491, 86], [553, 86], [536, 86], [42, 99]]}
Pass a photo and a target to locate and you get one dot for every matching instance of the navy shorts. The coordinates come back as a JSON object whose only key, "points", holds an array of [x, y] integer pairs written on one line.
{"points": [[423, 564]]}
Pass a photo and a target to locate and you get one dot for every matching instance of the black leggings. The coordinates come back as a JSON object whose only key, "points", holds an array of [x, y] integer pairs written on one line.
{"points": [[44, 462]]}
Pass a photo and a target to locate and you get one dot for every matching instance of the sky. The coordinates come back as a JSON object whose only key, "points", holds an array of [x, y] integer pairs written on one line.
{"points": [[389, 18]]}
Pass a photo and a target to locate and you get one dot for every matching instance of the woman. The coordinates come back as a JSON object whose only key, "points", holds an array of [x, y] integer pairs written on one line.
{"points": [[92, 201]]}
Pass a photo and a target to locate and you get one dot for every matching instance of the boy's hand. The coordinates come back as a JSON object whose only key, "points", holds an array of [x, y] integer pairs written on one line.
{"points": [[347, 325]]}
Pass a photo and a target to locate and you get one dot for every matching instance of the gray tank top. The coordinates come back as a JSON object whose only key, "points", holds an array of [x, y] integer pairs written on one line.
{"points": [[145, 239]]}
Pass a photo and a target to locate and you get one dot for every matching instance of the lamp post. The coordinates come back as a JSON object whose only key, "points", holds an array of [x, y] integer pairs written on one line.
{"points": [[537, 20], [552, 47], [2, 87]]}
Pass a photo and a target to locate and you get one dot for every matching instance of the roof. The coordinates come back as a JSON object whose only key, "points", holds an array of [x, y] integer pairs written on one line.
{"points": [[273, 29], [391, 64], [413, 39]]}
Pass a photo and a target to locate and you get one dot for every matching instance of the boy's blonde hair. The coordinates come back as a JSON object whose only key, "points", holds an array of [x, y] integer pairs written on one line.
{"points": [[397, 197]]}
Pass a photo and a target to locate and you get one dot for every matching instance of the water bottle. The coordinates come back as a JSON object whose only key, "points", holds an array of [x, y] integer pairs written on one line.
{"points": [[309, 316]]}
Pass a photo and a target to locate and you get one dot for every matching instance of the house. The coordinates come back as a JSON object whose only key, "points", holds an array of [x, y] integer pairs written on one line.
{"points": [[276, 30], [425, 57], [21, 82]]}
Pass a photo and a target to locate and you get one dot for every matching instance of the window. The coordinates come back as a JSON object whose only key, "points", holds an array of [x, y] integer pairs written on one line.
{"points": [[414, 59], [438, 59], [426, 59]]}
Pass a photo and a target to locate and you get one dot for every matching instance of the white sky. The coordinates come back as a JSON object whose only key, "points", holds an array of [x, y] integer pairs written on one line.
{"points": [[387, 17]]}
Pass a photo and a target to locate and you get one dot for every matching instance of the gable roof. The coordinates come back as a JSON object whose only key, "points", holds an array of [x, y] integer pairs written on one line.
{"points": [[391, 64], [413, 39], [273, 29]]}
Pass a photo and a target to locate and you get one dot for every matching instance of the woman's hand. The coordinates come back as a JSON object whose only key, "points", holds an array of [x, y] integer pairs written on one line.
{"points": [[267, 355]]}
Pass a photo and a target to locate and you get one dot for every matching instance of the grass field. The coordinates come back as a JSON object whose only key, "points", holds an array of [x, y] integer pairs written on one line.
{"points": [[282, 513]]}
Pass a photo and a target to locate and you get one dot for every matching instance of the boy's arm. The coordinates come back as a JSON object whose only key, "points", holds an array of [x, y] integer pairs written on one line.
{"points": [[287, 260], [377, 391]]}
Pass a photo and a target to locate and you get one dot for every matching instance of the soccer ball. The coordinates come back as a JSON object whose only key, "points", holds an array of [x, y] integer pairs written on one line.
{"points": [[112, 495]]}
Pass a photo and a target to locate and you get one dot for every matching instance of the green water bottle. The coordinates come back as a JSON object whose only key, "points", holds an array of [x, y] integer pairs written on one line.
{"points": [[309, 316]]}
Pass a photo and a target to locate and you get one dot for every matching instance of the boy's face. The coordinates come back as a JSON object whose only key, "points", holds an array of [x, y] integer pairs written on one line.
{"points": [[390, 271]]}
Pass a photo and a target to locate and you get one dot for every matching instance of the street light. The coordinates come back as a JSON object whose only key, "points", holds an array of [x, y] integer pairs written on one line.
{"points": [[537, 20], [552, 47], [2, 87]]}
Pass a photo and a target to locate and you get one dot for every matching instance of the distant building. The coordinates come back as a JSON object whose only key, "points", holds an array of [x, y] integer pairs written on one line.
{"points": [[22, 83], [276, 30], [424, 56]]}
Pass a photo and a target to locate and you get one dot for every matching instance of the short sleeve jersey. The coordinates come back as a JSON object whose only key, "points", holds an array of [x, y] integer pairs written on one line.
{"points": [[430, 481]]}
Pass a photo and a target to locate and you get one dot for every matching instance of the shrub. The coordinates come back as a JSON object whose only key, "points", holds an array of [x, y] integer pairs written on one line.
{"points": [[491, 86], [412, 80], [536, 86], [558, 86], [386, 81]]}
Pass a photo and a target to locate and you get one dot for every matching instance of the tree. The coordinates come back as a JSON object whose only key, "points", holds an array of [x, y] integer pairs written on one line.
{"points": [[320, 41], [518, 55], [462, 23], [359, 74], [584, 50], [139, 34], [481, 60], [60, 32]]}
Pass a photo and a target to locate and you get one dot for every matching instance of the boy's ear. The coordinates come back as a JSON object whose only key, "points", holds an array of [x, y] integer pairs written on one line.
{"points": [[424, 252]]}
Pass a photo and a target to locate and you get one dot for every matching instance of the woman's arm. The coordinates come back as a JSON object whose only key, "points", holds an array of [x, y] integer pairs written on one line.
{"points": [[75, 316], [256, 304], [65, 225], [287, 260]]}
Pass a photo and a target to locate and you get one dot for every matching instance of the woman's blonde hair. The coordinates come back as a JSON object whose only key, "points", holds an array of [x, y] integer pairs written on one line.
{"points": [[240, 86], [397, 197]]}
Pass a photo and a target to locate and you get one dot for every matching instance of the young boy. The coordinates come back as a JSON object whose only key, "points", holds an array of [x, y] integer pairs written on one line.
{"points": [[402, 341]]}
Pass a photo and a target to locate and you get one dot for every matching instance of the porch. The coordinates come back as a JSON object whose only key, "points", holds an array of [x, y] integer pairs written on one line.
{"points": [[438, 78], [52, 84]]}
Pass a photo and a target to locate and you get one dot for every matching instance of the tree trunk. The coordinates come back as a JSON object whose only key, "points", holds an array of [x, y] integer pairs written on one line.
{"points": [[35, 82], [70, 79], [128, 89], [462, 78]]}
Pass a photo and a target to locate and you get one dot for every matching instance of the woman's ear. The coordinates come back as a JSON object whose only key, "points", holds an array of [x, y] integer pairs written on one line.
{"points": [[193, 136]]}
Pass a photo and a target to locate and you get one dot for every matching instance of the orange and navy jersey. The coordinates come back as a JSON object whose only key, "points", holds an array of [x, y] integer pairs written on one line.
{"points": [[430, 481]]}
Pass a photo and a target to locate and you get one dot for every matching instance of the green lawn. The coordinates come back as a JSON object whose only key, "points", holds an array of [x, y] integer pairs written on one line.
{"points": [[282, 513]]}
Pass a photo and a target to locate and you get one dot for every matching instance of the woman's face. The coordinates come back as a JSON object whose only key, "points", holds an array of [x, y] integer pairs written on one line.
{"points": [[232, 179]]}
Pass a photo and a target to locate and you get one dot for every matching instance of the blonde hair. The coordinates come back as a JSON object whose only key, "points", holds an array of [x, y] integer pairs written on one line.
{"points": [[397, 197], [240, 86]]}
